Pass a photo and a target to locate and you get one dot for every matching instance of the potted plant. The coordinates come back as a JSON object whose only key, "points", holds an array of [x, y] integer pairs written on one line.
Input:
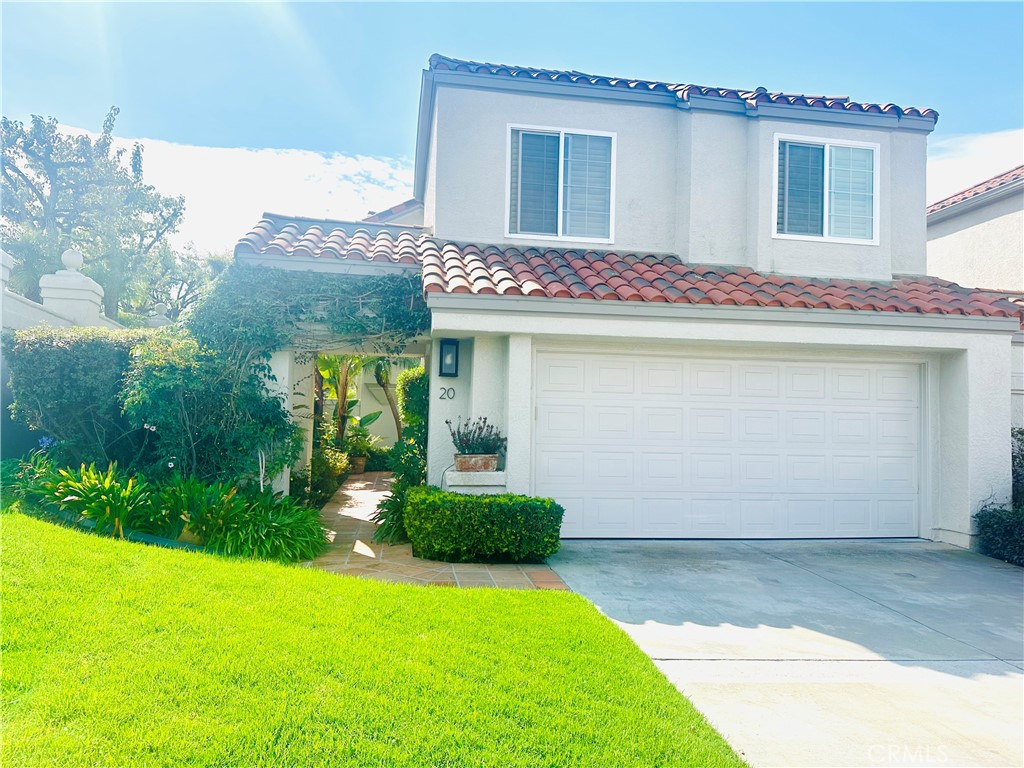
{"points": [[477, 445], [358, 444]]}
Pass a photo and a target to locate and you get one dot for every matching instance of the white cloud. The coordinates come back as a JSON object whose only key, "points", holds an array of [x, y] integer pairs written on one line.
{"points": [[227, 190], [958, 162]]}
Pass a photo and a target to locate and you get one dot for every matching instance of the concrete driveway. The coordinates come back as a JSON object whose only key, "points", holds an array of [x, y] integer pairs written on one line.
{"points": [[826, 653]]}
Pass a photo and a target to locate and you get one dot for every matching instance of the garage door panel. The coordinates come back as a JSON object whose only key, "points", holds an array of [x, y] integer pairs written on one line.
{"points": [[710, 380], [614, 423], [561, 422], [658, 424], [711, 471], [610, 516], [710, 425], [661, 378], [611, 470], [760, 517], [761, 426], [758, 471], [664, 470], [758, 381], [674, 447], [662, 517], [611, 377]]}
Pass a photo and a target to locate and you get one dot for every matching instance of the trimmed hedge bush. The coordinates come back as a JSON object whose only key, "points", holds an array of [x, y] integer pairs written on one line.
{"points": [[459, 528], [1001, 533]]}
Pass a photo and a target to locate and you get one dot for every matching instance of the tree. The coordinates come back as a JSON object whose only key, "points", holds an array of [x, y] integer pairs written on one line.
{"points": [[60, 190], [339, 374], [177, 280]]}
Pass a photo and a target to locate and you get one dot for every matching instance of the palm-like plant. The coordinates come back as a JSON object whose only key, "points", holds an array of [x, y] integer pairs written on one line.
{"points": [[340, 374]]}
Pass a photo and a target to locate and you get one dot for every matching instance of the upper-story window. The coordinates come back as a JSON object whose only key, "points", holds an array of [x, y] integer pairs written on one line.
{"points": [[561, 184], [826, 190]]}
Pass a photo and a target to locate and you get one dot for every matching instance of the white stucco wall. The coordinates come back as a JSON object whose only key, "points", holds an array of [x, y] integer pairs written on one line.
{"points": [[696, 183], [980, 246], [966, 404]]}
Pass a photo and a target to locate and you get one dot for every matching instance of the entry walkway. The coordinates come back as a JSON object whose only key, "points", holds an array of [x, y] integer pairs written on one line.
{"points": [[353, 552]]}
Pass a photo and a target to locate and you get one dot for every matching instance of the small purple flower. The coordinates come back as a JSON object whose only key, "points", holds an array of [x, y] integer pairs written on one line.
{"points": [[46, 442]]}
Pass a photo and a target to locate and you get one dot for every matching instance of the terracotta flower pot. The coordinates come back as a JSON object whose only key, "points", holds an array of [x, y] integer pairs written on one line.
{"points": [[476, 462], [358, 464]]}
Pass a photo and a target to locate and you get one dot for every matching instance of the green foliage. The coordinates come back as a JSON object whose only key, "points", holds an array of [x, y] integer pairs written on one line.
{"points": [[476, 437], [214, 420], [1017, 465], [66, 382], [359, 443], [61, 189], [190, 504], [379, 459], [459, 528], [1001, 532], [9, 469], [35, 477], [413, 392], [408, 460], [106, 497], [249, 313], [268, 527], [316, 484]]}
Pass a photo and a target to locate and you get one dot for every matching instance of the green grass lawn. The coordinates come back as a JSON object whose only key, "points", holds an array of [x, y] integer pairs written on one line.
{"points": [[121, 654]]}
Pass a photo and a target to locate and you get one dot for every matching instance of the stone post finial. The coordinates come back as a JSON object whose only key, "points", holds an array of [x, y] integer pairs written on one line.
{"points": [[71, 294], [72, 260], [159, 317]]}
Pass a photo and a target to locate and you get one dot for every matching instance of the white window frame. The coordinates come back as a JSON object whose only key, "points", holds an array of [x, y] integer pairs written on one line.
{"points": [[561, 132], [825, 237]]}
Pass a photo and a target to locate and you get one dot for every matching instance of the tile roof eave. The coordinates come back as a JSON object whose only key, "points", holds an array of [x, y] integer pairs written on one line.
{"points": [[970, 199]]}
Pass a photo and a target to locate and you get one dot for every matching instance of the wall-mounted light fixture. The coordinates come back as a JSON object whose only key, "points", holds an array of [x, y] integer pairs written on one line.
{"points": [[449, 363]]}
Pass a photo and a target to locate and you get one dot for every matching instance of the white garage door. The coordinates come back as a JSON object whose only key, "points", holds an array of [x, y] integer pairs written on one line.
{"points": [[663, 447]]}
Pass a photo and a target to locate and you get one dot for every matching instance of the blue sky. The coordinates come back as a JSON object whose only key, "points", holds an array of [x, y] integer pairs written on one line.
{"points": [[343, 79]]}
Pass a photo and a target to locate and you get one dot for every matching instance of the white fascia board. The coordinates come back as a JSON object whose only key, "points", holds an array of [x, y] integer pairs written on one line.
{"points": [[554, 310], [325, 266], [1015, 187], [423, 123]]}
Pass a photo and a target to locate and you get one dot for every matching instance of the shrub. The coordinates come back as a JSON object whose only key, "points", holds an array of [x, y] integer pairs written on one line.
{"points": [[268, 527], [1017, 437], [412, 390], [215, 420], [379, 459], [1001, 532], [408, 459], [195, 506], [109, 499], [475, 437], [316, 483], [460, 528], [35, 477], [66, 383]]}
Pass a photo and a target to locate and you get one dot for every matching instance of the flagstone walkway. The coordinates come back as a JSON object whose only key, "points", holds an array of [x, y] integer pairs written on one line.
{"points": [[353, 551]]}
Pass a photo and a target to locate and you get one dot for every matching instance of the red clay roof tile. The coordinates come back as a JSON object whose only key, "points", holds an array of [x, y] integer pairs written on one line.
{"points": [[450, 267], [1015, 174]]}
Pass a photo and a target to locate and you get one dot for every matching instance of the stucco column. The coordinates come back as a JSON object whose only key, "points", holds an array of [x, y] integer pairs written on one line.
{"points": [[519, 418], [974, 436], [71, 294], [281, 369], [487, 396]]}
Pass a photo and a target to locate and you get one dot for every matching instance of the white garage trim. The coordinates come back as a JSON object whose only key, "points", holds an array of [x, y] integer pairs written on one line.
{"points": [[667, 445]]}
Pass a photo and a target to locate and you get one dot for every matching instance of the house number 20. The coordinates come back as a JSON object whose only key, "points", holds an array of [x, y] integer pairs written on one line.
{"points": [[447, 393]]}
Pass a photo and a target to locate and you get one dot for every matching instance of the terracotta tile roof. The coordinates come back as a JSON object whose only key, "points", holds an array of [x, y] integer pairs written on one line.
{"points": [[1015, 174], [277, 235], [604, 275], [382, 217], [682, 91]]}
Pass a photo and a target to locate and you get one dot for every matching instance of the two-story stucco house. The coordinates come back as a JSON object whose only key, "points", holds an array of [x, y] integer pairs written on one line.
{"points": [[695, 312]]}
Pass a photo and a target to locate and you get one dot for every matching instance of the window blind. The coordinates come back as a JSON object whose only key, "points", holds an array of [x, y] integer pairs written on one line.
{"points": [[801, 188]]}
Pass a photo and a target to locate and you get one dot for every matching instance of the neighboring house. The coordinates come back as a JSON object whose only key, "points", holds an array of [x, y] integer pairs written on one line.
{"points": [[695, 312], [976, 238]]}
